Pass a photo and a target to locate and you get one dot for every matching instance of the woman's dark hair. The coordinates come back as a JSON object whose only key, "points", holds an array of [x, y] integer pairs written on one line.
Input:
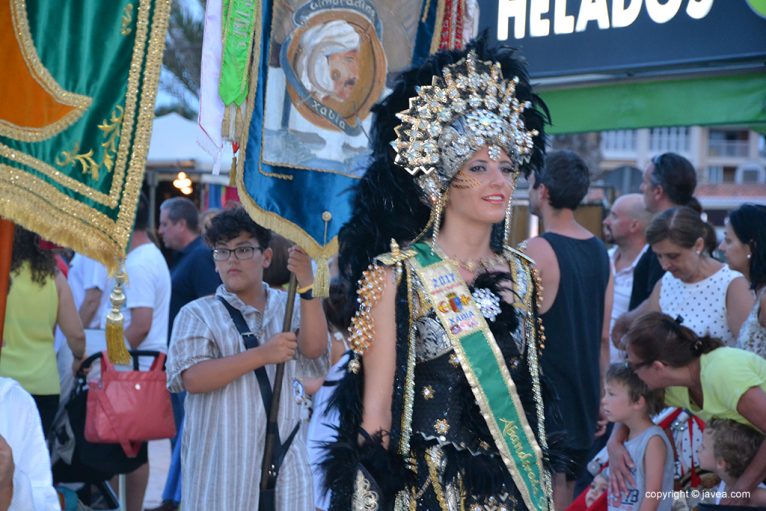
{"points": [[277, 274], [338, 308], [231, 223], [711, 238], [749, 224], [387, 204], [657, 336], [26, 248], [683, 226]]}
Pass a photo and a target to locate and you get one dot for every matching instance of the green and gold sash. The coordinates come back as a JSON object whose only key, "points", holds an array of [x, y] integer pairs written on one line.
{"points": [[486, 371]]}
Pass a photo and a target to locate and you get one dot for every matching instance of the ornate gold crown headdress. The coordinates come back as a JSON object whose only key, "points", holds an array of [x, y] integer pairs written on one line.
{"points": [[470, 106]]}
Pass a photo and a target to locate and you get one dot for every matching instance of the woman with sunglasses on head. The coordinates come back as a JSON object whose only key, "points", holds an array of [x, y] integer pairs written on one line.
{"points": [[442, 405], [744, 245], [698, 374]]}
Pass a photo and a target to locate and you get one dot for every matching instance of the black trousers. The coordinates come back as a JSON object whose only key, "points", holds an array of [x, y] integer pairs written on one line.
{"points": [[46, 406]]}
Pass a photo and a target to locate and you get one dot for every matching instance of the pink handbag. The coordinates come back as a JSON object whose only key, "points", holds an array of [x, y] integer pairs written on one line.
{"points": [[129, 407]]}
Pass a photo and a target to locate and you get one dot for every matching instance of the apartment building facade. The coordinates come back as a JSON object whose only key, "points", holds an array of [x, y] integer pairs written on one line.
{"points": [[730, 162]]}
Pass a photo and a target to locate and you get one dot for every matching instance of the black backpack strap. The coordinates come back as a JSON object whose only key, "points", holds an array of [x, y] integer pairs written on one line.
{"points": [[251, 341], [279, 457]]}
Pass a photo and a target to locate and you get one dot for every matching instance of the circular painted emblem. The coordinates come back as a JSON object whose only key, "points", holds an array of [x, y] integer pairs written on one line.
{"points": [[338, 68]]}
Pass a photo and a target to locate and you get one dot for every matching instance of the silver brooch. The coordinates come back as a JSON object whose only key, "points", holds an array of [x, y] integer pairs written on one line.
{"points": [[488, 302]]}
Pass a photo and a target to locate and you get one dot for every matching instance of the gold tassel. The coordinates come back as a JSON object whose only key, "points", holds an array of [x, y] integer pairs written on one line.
{"points": [[226, 124], [436, 215], [322, 279], [233, 172], [115, 337]]}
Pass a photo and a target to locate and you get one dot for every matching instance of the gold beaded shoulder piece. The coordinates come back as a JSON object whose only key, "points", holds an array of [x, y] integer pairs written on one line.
{"points": [[369, 291]]}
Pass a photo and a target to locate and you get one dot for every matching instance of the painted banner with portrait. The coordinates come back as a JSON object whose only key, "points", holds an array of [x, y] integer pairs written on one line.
{"points": [[331, 69], [78, 80], [321, 66]]}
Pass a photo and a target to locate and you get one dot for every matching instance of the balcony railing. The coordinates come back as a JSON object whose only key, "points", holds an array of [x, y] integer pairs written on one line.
{"points": [[728, 148], [662, 140], [618, 142]]}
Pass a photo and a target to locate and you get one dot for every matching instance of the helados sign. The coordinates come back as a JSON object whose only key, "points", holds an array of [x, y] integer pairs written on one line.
{"points": [[544, 17], [575, 37]]}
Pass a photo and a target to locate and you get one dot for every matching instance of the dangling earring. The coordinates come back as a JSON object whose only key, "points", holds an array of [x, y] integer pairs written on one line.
{"points": [[436, 218], [509, 215]]}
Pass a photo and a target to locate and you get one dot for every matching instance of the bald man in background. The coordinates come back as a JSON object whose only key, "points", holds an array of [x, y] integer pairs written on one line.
{"points": [[625, 227]]}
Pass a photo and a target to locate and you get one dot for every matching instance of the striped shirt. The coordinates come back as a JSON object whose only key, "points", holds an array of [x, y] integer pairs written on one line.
{"points": [[224, 430]]}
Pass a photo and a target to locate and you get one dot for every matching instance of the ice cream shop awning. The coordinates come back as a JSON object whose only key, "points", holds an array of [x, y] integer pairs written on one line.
{"points": [[640, 63]]}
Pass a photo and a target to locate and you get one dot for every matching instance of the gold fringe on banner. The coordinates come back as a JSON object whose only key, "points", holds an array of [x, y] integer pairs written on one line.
{"points": [[227, 125], [239, 123], [233, 171], [233, 124], [322, 278], [115, 336]]}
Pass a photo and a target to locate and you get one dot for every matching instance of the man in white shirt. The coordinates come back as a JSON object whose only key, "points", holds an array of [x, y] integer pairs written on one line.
{"points": [[88, 279], [147, 305], [624, 227], [26, 483]]}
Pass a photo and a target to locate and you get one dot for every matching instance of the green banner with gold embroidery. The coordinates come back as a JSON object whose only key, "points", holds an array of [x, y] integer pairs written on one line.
{"points": [[78, 81]]}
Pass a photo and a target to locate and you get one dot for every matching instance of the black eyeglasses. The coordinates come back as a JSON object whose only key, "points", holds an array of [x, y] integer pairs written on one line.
{"points": [[636, 367], [241, 253]]}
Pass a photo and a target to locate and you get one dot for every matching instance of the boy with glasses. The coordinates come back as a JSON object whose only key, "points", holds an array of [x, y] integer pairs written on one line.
{"points": [[226, 415]]}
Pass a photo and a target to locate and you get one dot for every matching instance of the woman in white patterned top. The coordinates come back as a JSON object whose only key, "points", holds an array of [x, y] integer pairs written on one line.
{"points": [[744, 244], [708, 296]]}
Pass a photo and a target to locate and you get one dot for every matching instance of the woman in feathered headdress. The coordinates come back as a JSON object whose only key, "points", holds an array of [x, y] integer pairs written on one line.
{"points": [[442, 404]]}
